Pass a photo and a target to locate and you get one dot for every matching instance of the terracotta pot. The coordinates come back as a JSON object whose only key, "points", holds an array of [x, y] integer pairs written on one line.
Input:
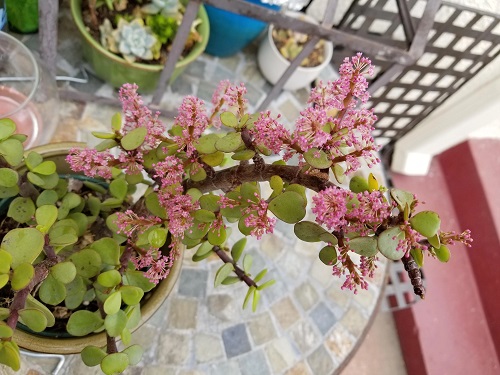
{"points": [[272, 64], [58, 345], [116, 71]]}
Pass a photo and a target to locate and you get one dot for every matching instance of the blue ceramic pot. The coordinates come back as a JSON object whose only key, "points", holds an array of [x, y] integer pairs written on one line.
{"points": [[230, 32]]}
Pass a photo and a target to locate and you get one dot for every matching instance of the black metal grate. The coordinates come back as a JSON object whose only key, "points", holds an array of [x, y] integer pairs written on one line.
{"points": [[461, 42]]}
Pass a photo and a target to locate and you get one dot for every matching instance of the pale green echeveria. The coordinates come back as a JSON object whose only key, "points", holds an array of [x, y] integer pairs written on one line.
{"points": [[165, 7], [132, 39]]}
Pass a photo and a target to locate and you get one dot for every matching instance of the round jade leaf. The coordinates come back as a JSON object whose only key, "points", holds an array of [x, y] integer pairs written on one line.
{"points": [[288, 207], [243, 155], [131, 295], [33, 303], [418, 256], [114, 363], [210, 202], [157, 237], [21, 209], [217, 236], [47, 197], [328, 255], [33, 160], [52, 291], [137, 278], [402, 198], [83, 322], [250, 192], [10, 355], [199, 175], [109, 279], [34, 319], [134, 353], [92, 355], [45, 168], [229, 119], [7, 128], [75, 292], [339, 173], [23, 244], [115, 323], [229, 143], [113, 303], [87, 262], [6, 192], [426, 223], [64, 272], [5, 330], [12, 150], [118, 189], [153, 205], [365, 246], [276, 183], [308, 231], [4, 279], [5, 261], [443, 253], [45, 216], [8, 177], [214, 159], [237, 248], [317, 158], [435, 241], [134, 138], [358, 184], [206, 144], [388, 242], [21, 276], [224, 271]]}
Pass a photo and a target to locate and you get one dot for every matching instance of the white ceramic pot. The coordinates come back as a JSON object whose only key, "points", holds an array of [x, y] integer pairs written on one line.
{"points": [[272, 64]]}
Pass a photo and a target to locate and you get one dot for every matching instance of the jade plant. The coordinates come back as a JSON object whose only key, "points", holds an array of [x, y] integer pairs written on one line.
{"points": [[138, 30], [218, 175]]}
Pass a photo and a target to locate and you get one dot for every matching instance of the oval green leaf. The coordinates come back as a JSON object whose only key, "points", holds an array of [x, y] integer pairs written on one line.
{"points": [[388, 242], [83, 322], [34, 319], [365, 246], [21, 276], [23, 244], [134, 138], [328, 255], [426, 223], [317, 158], [288, 207]]}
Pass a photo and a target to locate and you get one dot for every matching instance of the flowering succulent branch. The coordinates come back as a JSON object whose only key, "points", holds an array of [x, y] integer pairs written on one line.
{"points": [[202, 180]]}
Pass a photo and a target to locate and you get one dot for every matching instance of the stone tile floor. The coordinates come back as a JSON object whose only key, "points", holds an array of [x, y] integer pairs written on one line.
{"points": [[304, 325]]}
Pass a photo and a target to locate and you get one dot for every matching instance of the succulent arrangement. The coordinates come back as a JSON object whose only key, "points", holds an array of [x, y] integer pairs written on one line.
{"points": [[138, 30], [88, 247], [290, 43]]}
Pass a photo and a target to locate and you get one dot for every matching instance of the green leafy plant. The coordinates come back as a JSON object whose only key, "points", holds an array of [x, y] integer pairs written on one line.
{"points": [[88, 246], [138, 30]]}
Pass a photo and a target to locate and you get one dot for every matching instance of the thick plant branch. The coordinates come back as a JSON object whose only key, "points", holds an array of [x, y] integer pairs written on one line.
{"points": [[230, 178]]}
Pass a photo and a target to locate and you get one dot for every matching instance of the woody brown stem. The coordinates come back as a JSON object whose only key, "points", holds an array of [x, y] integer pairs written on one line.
{"points": [[239, 272]]}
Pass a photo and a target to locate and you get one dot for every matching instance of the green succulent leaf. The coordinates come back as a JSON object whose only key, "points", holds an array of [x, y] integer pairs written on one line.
{"points": [[33, 303], [134, 138], [209, 202], [205, 216], [317, 158], [118, 189], [52, 291], [217, 236], [224, 271], [4, 279], [115, 323], [75, 293], [388, 242], [256, 299], [87, 262], [106, 145], [427, 223], [134, 353], [33, 159], [339, 173], [92, 355], [131, 295], [435, 241], [21, 276], [33, 318], [309, 231], [137, 278], [238, 248], [206, 144], [260, 275], [21, 209], [402, 198], [229, 143], [10, 355], [249, 294], [214, 159], [8, 177], [365, 246], [45, 217], [288, 207], [116, 121], [243, 155], [103, 135], [443, 253], [418, 257], [7, 128], [114, 363], [247, 263], [5, 261], [154, 206], [12, 150], [158, 237], [23, 244], [328, 255], [47, 197], [109, 279], [83, 322], [358, 184], [5, 330], [45, 168], [229, 119], [113, 303], [6, 192]]}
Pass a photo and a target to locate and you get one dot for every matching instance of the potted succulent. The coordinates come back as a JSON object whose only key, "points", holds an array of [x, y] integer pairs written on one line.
{"points": [[281, 46], [129, 41], [91, 249]]}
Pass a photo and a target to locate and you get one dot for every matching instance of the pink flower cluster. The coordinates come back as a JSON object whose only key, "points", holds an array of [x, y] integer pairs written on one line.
{"points": [[156, 264], [257, 218], [193, 121], [131, 224], [269, 132], [330, 207], [91, 162]]}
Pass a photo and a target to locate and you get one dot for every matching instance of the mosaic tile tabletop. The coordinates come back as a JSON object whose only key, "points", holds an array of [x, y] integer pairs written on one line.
{"points": [[305, 324]]}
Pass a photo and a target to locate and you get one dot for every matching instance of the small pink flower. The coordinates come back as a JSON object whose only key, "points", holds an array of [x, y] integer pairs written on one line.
{"points": [[257, 218], [193, 120], [269, 132], [91, 162], [330, 207]]}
